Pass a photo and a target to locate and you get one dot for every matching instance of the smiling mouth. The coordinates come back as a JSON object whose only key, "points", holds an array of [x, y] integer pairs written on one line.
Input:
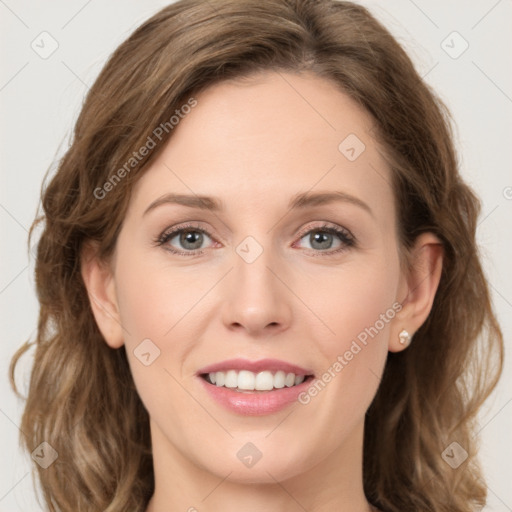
{"points": [[245, 381]]}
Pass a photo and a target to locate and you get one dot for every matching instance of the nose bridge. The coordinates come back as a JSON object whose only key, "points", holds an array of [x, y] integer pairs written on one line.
{"points": [[252, 262], [257, 300]]}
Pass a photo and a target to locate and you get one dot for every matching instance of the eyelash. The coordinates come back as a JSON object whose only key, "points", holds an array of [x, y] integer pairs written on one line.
{"points": [[345, 237]]}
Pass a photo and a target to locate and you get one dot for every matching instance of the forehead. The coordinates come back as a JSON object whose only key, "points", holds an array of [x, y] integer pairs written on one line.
{"points": [[271, 134]]}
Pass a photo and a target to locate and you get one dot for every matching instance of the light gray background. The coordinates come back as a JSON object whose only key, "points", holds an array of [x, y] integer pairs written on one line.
{"points": [[40, 99]]}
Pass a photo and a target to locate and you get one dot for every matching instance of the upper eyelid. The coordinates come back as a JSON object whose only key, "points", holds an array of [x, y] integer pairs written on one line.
{"points": [[327, 226], [190, 226], [173, 231]]}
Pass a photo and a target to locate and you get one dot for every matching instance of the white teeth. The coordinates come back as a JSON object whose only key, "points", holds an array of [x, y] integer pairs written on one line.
{"points": [[231, 380], [250, 381], [289, 380], [219, 379], [246, 380], [279, 379], [264, 381], [299, 379]]}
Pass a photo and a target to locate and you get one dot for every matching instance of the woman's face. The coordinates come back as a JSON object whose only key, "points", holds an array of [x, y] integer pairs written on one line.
{"points": [[290, 255]]}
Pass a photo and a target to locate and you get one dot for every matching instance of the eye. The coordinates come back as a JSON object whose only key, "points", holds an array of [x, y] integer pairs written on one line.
{"points": [[190, 240], [327, 239], [185, 240]]}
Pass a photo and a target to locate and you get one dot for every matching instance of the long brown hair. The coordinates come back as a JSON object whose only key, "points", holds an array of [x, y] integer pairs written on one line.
{"points": [[82, 399]]}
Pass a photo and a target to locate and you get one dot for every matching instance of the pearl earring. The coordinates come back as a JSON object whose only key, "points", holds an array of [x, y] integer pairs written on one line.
{"points": [[404, 337]]}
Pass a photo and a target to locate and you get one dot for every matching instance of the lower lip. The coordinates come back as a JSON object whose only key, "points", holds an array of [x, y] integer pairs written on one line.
{"points": [[255, 403]]}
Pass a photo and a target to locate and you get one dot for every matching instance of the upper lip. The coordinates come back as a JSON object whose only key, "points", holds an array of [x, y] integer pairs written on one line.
{"points": [[273, 365]]}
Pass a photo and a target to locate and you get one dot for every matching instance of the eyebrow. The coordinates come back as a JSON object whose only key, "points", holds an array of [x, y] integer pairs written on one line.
{"points": [[307, 199], [192, 201], [300, 201]]}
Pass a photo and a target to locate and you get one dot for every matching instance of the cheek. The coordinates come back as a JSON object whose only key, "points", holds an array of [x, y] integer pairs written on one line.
{"points": [[153, 299], [354, 302], [155, 304], [358, 305]]}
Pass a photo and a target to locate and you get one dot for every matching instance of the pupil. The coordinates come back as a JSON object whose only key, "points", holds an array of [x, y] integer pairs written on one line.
{"points": [[322, 239], [192, 237]]}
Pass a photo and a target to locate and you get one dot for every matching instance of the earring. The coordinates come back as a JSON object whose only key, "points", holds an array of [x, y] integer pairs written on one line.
{"points": [[404, 337]]}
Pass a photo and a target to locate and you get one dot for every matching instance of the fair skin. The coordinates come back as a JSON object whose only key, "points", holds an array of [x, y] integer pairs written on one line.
{"points": [[253, 145]]}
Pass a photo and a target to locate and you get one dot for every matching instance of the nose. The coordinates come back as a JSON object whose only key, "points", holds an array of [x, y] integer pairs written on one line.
{"points": [[257, 302]]}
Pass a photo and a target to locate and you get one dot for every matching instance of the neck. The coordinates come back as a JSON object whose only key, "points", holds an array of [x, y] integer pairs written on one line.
{"points": [[335, 483]]}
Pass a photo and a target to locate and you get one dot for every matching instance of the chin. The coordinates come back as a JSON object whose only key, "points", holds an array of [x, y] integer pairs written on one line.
{"points": [[251, 465], [261, 473]]}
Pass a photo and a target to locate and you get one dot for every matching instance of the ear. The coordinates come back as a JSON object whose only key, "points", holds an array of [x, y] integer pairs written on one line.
{"points": [[99, 282], [418, 286]]}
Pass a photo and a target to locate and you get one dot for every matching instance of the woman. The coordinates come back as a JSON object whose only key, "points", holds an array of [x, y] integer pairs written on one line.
{"points": [[258, 276]]}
